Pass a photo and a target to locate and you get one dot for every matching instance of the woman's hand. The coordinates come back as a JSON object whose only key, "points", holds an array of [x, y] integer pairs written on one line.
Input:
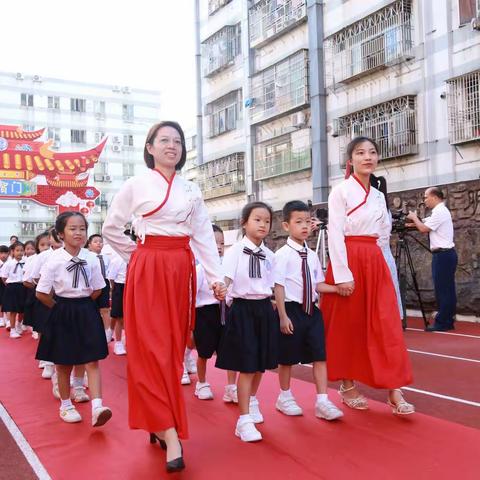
{"points": [[219, 291], [346, 289]]}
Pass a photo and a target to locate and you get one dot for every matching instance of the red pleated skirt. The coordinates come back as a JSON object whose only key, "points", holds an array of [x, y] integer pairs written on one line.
{"points": [[364, 336], [159, 304]]}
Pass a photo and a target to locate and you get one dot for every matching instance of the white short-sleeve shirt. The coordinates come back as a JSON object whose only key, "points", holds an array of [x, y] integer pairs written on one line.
{"points": [[13, 273], [287, 270], [236, 268], [205, 294], [27, 269], [441, 227], [54, 275], [117, 269]]}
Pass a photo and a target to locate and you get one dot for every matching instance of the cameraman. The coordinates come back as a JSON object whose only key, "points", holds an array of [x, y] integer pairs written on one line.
{"points": [[439, 226]]}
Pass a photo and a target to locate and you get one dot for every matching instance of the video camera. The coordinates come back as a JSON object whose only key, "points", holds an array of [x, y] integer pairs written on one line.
{"points": [[322, 215]]}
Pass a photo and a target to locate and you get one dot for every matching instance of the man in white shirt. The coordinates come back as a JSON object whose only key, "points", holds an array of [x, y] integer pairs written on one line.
{"points": [[439, 227]]}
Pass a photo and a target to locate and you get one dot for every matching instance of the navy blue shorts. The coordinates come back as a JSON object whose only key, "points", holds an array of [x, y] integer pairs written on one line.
{"points": [[208, 330]]}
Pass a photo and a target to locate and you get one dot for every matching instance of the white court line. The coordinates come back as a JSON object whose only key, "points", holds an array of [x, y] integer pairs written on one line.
{"points": [[431, 394], [444, 333], [22, 443], [444, 397], [444, 356]]}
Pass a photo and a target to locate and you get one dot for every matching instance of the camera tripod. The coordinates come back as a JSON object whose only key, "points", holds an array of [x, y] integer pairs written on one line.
{"points": [[321, 248], [403, 259]]}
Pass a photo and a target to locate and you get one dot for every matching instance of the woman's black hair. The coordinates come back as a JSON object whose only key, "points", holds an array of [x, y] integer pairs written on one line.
{"points": [[249, 207], [91, 237], [53, 233], [38, 239], [216, 228], [380, 183], [149, 160], [357, 141], [61, 221]]}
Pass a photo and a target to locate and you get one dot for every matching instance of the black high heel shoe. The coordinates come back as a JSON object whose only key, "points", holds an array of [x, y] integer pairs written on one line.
{"points": [[154, 438], [177, 464]]}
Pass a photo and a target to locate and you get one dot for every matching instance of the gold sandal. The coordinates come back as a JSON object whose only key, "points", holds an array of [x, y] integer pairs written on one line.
{"points": [[357, 403], [402, 407]]}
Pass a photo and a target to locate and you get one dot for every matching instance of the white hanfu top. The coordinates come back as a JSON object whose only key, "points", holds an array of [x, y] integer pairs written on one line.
{"points": [[156, 207], [353, 210]]}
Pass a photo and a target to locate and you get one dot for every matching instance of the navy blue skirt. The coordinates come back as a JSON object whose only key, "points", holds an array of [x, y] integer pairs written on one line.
{"points": [[250, 337], [117, 300], [14, 298], [73, 333], [28, 316]]}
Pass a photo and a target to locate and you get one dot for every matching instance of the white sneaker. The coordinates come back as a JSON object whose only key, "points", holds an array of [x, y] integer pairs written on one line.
{"points": [[41, 363], [119, 349], [48, 371], [288, 405], [109, 335], [203, 391], [15, 334], [23, 327], [327, 410], [2, 322], [247, 431], [19, 328], [190, 364], [230, 395], [100, 416], [7, 325], [70, 415], [185, 377], [79, 395], [35, 335], [254, 411]]}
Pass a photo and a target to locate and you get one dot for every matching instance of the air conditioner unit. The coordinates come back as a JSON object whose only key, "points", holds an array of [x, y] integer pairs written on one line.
{"points": [[52, 209], [116, 139], [126, 90], [99, 116], [97, 209], [19, 76], [98, 177], [37, 78], [298, 119], [107, 178], [24, 207], [41, 226], [117, 148]]}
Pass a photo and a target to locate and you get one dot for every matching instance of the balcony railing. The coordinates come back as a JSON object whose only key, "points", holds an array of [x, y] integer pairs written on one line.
{"points": [[280, 88], [464, 108], [220, 50], [377, 41], [269, 19], [391, 124], [224, 113], [224, 176], [215, 5], [274, 159]]}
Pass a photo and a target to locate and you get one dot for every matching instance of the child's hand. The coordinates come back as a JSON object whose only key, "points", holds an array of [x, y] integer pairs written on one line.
{"points": [[219, 291], [286, 326]]}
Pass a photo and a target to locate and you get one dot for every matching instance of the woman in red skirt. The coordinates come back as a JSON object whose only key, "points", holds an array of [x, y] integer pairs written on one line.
{"points": [[168, 214], [363, 328]]}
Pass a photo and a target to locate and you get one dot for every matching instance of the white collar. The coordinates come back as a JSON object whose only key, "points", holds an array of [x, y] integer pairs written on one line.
{"points": [[249, 244], [295, 245], [441, 204]]}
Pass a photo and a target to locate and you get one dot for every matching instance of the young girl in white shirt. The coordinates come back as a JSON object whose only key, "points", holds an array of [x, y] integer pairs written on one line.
{"points": [[250, 341], [73, 333], [3, 259], [15, 293]]}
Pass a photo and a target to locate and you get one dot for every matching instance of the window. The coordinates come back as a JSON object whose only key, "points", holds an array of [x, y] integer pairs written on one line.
{"points": [[54, 134], [99, 109], [466, 11], [128, 170], [215, 5], [28, 127], [128, 140], [463, 103], [391, 124], [26, 100], [99, 136], [224, 112], [220, 50], [78, 136], [78, 105], [127, 112], [54, 103], [191, 143]]}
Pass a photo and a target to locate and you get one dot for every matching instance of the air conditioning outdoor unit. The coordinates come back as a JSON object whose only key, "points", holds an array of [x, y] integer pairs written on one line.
{"points": [[107, 178], [24, 207], [37, 78], [116, 139], [298, 119], [117, 148], [126, 90], [19, 76], [98, 177], [97, 209]]}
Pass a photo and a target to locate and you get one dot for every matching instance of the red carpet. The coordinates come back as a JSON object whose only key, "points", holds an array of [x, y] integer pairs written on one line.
{"points": [[364, 445]]}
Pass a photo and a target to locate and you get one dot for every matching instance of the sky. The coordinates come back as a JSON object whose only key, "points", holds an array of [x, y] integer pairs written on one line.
{"points": [[140, 43]]}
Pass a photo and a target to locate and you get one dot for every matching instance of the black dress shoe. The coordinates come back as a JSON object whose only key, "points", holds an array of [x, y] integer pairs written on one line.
{"points": [[177, 464], [436, 328], [154, 438]]}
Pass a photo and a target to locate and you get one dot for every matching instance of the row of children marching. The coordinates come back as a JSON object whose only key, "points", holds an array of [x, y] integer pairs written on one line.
{"points": [[248, 334], [62, 287]]}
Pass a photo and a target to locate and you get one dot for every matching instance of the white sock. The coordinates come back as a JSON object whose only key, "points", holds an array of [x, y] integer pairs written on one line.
{"points": [[77, 382], [245, 417], [96, 402], [232, 386], [201, 384], [65, 404], [322, 397], [188, 352], [253, 398], [286, 393]]}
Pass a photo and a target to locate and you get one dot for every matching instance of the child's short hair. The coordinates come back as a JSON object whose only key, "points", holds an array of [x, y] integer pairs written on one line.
{"points": [[39, 238], [216, 228], [62, 219], [293, 206], [4, 249], [248, 209], [91, 237], [14, 236], [13, 246]]}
